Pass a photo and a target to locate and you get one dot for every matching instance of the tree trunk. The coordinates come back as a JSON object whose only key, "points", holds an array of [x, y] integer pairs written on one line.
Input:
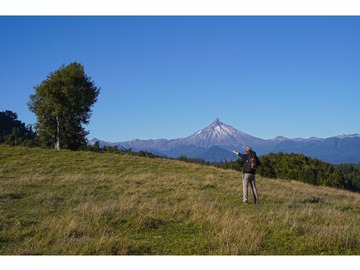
{"points": [[57, 144]]}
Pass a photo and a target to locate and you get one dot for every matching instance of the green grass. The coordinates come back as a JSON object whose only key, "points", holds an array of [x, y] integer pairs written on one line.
{"points": [[62, 202]]}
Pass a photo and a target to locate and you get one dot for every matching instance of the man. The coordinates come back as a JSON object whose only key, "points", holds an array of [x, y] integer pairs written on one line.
{"points": [[249, 172]]}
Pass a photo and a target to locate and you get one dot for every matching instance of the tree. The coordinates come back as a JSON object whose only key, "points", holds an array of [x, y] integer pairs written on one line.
{"points": [[13, 131], [62, 104], [96, 146]]}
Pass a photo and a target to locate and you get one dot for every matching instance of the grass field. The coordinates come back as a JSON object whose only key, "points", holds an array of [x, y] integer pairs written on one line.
{"points": [[71, 203]]}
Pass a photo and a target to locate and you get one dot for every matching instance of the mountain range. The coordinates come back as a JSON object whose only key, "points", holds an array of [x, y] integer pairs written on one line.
{"points": [[215, 143]]}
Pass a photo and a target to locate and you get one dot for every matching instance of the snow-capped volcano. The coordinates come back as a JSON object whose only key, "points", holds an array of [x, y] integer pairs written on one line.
{"points": [[221, 134], [215, 142]]}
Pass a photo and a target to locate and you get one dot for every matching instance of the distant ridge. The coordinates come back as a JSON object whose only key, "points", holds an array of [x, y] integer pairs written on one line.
{"points": [[215, 142]]}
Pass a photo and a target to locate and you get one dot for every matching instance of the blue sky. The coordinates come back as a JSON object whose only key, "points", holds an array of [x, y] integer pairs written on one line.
{"points": [[168, 77]]}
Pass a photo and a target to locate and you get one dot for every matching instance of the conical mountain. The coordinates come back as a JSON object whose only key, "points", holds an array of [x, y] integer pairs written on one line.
{"points": [[215, 142], [223, 135]]}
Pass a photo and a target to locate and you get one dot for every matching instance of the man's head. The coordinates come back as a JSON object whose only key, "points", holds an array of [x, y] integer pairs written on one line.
{"points": [[248, 148]]}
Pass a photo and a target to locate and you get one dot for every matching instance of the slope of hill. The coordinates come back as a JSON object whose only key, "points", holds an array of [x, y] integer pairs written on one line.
{"points": [[62, 202]]}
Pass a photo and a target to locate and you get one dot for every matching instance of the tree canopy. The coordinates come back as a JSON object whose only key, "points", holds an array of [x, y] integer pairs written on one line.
{"points": [[305, 169], [13, 131], [62, 104]]}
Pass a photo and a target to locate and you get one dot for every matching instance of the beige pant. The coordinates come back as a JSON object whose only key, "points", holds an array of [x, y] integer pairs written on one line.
{"points": [[249, 178]]}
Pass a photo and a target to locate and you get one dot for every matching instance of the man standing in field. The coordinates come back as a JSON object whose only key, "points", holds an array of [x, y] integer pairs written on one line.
{"points": [[249, 171]]}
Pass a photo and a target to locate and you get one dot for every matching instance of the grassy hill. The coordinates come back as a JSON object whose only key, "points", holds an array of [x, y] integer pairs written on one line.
{"points": [[62, 202]]}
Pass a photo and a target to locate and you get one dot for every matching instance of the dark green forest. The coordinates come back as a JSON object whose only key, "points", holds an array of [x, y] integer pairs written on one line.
{"points": [[305, 169], [14, 132]]}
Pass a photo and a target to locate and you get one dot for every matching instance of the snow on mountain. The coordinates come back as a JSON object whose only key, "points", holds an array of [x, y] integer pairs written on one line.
{"points": [[306, 140], [220, 134], [216, 134], [280, 139], [215, 142], [348, 136]]}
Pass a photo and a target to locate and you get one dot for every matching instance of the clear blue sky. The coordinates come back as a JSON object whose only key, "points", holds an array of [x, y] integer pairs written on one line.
{"points": [[168, 77]]}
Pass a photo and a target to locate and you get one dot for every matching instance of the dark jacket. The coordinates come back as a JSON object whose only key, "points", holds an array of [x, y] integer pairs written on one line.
{"points": [[249, 158]]}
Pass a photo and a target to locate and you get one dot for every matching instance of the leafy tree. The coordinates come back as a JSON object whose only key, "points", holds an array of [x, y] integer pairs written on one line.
{"points": [[96, 146], [312, 171], [302, 168], [266, 167], [62, 104], [13, 131]]}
